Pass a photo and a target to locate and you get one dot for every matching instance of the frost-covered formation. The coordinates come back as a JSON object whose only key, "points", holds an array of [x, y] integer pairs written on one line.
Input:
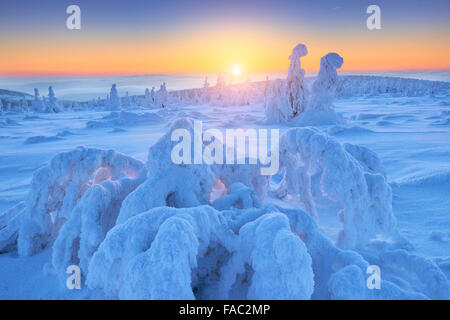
{"points": [[295, 81], [148, 98], [220, 90], [326, 83], [127, 100], [23, 105], [375, 85], [179, 231], [154, 254], [58, 188], [181, 185], [281, 267], [37, 105], [161, 97], [286, 100], [93, 216], [49, 105], [320, 108], [113, 99], [277, 108], [349, 175], [53, 104], [205, 98]]}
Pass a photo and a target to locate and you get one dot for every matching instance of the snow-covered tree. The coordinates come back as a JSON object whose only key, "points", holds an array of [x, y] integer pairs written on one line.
{"points": [[325, 85], [296, 89], [148, 98], [277, 108], [126, 100], [320, 110], [38, 104], [161, 96], [53, 104], [205, 97], [286, 101], [114, 99], [23, 104]]}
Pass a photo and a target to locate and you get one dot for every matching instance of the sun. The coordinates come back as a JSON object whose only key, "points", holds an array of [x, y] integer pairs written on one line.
{"points": [[236, 70]]}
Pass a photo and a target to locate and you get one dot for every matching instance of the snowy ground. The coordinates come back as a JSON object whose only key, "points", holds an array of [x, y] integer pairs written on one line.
{"points": [[410, 134]]}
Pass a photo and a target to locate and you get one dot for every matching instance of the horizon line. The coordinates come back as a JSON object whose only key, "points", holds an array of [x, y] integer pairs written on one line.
{"points": [[110, 74]]}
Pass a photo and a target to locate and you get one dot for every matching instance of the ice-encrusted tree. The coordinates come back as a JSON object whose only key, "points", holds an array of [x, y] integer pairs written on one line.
{"points": [[161, 96], [38, 105], [350, 175], [156, 231], [296, 90], [205, 98], [148, 100], [114, 99], [220, 89], [287, 100], [325, 85], [320, 109], [127, 100], [53, 104], [277, 109], [57, 188]]}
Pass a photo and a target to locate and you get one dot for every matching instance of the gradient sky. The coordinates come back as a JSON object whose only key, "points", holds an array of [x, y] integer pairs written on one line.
{"points": [[178, 36]]}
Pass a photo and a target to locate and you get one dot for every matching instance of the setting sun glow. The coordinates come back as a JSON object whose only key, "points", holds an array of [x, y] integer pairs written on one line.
{"points": [[236, 70]]}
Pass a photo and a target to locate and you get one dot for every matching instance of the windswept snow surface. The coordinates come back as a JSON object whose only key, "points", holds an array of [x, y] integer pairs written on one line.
{"points": [[246, 243]]}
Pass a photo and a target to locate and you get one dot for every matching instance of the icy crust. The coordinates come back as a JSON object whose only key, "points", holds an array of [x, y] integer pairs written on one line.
{"points": [[58, 187], [353, 179]]}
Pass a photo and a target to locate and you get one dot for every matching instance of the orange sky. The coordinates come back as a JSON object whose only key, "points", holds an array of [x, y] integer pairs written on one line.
{"points": [[216, 50]]}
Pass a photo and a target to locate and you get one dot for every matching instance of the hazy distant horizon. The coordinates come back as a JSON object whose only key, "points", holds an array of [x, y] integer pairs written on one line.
{"points": [[83, 88]]}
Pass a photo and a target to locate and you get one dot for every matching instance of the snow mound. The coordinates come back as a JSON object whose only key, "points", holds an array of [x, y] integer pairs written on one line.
{"points": [[351, 130], [8, 122], [42, 139], [125, 119]]}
